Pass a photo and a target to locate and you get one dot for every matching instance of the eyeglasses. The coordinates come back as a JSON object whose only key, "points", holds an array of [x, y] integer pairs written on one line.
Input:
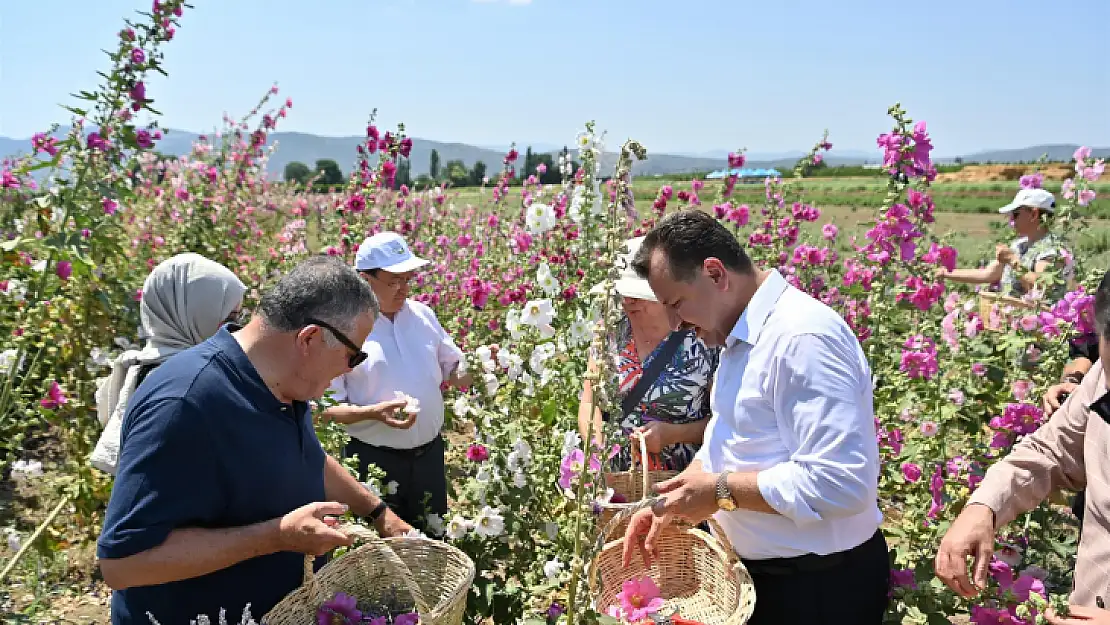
{"points": [[236, 317], [354, 359]]}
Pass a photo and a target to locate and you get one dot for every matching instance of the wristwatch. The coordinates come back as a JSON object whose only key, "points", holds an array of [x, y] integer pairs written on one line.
{"points": [[724, 497], [377, 512]]}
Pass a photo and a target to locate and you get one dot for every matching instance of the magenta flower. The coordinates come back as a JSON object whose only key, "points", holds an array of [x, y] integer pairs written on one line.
{"points": [[110, 206], [477, 453], [144, 140], [55, 397], [340, 610], [42, 143], [736, 161], [903, 577], [829, 232], [138, 57], [64, 269], [919, 358], [96, 142], [911, 472], [1032, 181], [412, 618], [979, 369]]}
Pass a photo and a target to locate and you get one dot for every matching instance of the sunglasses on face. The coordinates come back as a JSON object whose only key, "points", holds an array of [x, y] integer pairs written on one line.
{"points": [[354, 359]]}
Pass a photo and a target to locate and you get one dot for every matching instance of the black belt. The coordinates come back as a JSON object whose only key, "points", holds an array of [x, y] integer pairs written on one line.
{"points": [[808, 563], [415, 452]]}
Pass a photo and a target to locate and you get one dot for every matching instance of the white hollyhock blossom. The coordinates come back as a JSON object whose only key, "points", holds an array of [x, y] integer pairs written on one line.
{"points": [[540, 218], [552, 568], [458, 527], [520, 480], [571, 441], [492, 384], [489, 523], [537, 313], [546, 280], [435, 524]]}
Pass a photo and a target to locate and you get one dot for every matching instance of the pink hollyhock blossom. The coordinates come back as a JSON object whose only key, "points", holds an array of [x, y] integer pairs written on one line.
{"points": [[903, 577], [639, 599], [911, 472], [829, 232], [1032, 181], [64, 269], [55, 397], [477, 453]]}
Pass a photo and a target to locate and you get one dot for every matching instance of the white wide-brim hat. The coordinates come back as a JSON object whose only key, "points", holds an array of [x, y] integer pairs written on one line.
{"points": [[628, 284]]}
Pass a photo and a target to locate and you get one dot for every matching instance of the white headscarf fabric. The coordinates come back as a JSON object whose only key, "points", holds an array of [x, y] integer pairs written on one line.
{"points": [[186, 299]]}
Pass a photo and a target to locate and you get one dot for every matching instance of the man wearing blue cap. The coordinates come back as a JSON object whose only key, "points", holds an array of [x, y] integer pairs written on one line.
{"points": [[392, 403]]}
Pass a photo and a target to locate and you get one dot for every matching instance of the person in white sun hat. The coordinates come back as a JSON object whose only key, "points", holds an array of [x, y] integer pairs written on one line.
{"points": [[1019, 266], [663, 378], [392, 403]]}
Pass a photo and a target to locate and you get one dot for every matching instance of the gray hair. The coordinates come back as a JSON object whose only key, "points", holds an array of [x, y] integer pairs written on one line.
{"points": [[321, 287]]}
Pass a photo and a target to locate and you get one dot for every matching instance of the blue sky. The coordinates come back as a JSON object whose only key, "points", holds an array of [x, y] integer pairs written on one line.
{"points": [[686, 76]]}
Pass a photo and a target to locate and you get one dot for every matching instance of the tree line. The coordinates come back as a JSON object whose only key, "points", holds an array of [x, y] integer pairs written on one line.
{"points": [[327, 175]]}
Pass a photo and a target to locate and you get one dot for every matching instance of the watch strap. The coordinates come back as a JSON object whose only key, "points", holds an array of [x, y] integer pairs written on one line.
{"points": [[377, 512]]}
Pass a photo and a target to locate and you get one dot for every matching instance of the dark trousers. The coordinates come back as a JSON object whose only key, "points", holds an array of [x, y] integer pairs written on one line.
{"points": [[420, 473], [847, 588]]}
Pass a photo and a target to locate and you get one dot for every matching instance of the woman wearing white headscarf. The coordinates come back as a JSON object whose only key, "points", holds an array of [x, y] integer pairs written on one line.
{"points": [[186, 299]]}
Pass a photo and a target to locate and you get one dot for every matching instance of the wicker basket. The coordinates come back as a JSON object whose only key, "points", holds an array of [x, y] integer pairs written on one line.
{"points": [[988, 299], [434, 575], [634, 485], [698, 574]]}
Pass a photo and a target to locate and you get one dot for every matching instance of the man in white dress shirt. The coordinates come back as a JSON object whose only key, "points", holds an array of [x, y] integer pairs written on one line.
{"points": [[409, 355], [789, 466]]}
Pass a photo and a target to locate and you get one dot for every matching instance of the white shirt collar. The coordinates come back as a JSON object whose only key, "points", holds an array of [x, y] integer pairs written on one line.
{"points": [[755, 314]]}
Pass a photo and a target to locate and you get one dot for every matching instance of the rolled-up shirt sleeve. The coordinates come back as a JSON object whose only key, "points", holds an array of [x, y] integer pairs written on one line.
{"points": [[447, 352], [167, 479], [822, 400], [1046, 460]]}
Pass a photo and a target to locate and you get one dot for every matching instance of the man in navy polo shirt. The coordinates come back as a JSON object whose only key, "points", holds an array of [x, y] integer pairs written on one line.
{"points": [[222, 485]]}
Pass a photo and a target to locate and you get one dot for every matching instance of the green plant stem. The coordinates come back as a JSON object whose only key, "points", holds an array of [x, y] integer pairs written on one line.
{"points": [[30, 541]]}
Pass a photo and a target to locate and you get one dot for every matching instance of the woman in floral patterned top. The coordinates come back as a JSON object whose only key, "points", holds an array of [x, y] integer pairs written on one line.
{"points": [[673, 412], [1019, 266]]}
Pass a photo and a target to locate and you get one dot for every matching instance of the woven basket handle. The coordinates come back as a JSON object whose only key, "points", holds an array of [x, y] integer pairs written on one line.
{"points": [[392, 562], [643, 462]]}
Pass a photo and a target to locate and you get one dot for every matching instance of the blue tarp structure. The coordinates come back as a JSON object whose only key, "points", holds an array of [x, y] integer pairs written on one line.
{"points": [[744, 173]]}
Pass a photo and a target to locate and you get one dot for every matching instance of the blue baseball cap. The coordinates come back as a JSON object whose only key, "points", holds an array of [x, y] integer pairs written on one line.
{"points": [[389, 252]]}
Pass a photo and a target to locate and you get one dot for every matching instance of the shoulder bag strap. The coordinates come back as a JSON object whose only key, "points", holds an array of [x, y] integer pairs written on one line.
{"points": [[651, 374]]}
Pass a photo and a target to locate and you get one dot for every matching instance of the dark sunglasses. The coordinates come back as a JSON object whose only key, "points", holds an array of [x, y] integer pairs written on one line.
{"points": [[354, 359]]}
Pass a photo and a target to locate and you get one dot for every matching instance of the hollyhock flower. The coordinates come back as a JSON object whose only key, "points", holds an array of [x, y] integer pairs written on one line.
{"points": [[1095, 171], [64, 269], [911, 472], [42, 143], [110, 206], [903, 577], [1081, 154], [1067, 189], [736, 161], [956, 396], [138, 57], [477, 453], [936, 488], [96, 142], [554, 611], [411, 618], [638, 599], [829, 232], [1019, 419], [1086, 196], [489, 523], [979, 369], [55, 397], [1032, 181], [919, 358], [929, 429], [143, 139], [1021, 389], [340, 610]]}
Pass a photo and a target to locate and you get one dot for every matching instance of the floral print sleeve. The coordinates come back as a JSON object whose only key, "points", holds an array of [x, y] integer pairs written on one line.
{"points": [[679, 395], [1049, 248]]}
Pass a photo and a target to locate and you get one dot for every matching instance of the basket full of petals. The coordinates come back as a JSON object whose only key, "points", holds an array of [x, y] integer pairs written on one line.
{"points": [[392, 581], [631, 487], [695, 578]]}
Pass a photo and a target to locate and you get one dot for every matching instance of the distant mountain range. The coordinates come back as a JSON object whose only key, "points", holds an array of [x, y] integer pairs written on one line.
{"points": [[308, 148]]}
